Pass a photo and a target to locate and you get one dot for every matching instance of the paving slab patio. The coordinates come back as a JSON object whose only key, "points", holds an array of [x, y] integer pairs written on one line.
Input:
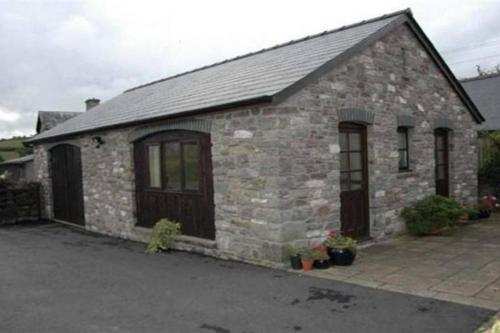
{"points": [[462, 266]]}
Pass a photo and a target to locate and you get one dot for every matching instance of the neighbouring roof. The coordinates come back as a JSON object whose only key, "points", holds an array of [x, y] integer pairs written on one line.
{"points": [[485, 92], [268, 75], [49, 119], [19, 160]]}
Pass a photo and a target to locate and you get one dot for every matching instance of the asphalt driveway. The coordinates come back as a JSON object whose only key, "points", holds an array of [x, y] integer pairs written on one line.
{"points": [[56, 279]]}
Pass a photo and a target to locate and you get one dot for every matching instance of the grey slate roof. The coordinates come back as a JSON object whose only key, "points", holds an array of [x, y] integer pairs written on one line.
{"points": [[264, 76], [19, 160], [485, 92], [49, 119]]}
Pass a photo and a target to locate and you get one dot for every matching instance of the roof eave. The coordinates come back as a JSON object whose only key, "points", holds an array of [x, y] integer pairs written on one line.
{"points": [[248, 102]]}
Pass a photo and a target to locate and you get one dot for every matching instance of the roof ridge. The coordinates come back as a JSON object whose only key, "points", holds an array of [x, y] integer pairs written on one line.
{"points": [[61, 111], [291, 42], [480, 77]]}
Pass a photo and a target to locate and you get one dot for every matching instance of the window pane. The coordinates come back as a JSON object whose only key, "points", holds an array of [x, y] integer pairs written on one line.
{"points": [[356, 180], [403, 159], [402, 133], [354, 141], [344, 166], [154, 166], [191, 166], [355, 159], [343, 141], [172, 166], [344, 181]]}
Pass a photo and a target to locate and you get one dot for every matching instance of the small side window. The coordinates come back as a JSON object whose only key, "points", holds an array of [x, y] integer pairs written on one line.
{"points": [[403, 143]]}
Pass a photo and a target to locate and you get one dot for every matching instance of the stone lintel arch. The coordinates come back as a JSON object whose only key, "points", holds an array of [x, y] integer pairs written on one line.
{"points": [[406, 120], [196, 125], [355, 115], [443, 122], [50, 146]]}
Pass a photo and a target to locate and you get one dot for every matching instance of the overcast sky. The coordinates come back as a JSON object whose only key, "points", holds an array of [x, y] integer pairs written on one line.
{"points": [[55, 54]]}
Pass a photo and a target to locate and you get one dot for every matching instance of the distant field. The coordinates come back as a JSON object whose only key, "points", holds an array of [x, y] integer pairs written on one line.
{"points": [[15, 143], [8, 155], [7, 148]]}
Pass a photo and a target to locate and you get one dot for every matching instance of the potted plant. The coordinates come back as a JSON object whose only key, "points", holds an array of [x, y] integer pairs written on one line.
{"points": [[306, 258], [472, 213], [321, 259], [295, 260], [341, 249], [485, 206], [484, 212]]}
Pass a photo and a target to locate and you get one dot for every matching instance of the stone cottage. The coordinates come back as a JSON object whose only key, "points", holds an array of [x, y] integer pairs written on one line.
{"points": [[336, 131]]}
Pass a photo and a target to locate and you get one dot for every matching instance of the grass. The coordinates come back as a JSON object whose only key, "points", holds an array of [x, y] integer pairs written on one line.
{"points": [[12, 143], [8, 148], [8, 155]]}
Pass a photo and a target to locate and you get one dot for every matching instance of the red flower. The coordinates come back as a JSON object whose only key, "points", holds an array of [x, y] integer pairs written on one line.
{"points": [[322, 249], [332, 234]]}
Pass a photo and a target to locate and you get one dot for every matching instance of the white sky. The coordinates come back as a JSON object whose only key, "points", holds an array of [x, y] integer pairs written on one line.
{"points": [[56, 54]]}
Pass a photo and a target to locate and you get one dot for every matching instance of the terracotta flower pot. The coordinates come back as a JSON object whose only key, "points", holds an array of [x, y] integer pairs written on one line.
{"points": [[307, 264]]}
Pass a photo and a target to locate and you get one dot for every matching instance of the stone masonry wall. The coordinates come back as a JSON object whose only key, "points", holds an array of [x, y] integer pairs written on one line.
{"points": [[245, 150], [393, 76], [276, 167]]}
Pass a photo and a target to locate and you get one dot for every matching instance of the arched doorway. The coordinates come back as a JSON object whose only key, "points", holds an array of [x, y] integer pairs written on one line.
{"points": [[442, 162], [67, 188], [174, 180], [353, 180]]}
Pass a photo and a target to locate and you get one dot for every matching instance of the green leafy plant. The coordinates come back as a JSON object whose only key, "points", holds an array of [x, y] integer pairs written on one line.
{"points": [[319, 255], [294, 250], [431, 215], [472, 213], [337, 241], [163, 235], [306, 252]]}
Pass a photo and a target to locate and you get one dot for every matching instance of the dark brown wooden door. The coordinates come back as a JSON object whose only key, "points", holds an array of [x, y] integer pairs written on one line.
{"points": [[67, 189], [442, 163], [353, 181], [174, 180]]}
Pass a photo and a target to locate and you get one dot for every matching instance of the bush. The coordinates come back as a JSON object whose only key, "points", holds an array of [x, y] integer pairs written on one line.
{"points": [[163, 236], [431, 215]]}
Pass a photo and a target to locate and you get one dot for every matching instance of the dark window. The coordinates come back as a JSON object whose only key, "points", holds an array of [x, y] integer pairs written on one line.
{"points": [[174, 166], [191, 166], [172, 161], [154, 165], [404, 157]]}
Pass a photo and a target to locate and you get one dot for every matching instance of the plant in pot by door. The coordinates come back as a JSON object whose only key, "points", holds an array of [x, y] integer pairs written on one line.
{"points": [[472, 213], [341, 249], [321, 259], [484, 209], [295, 259], [306, 258]]}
